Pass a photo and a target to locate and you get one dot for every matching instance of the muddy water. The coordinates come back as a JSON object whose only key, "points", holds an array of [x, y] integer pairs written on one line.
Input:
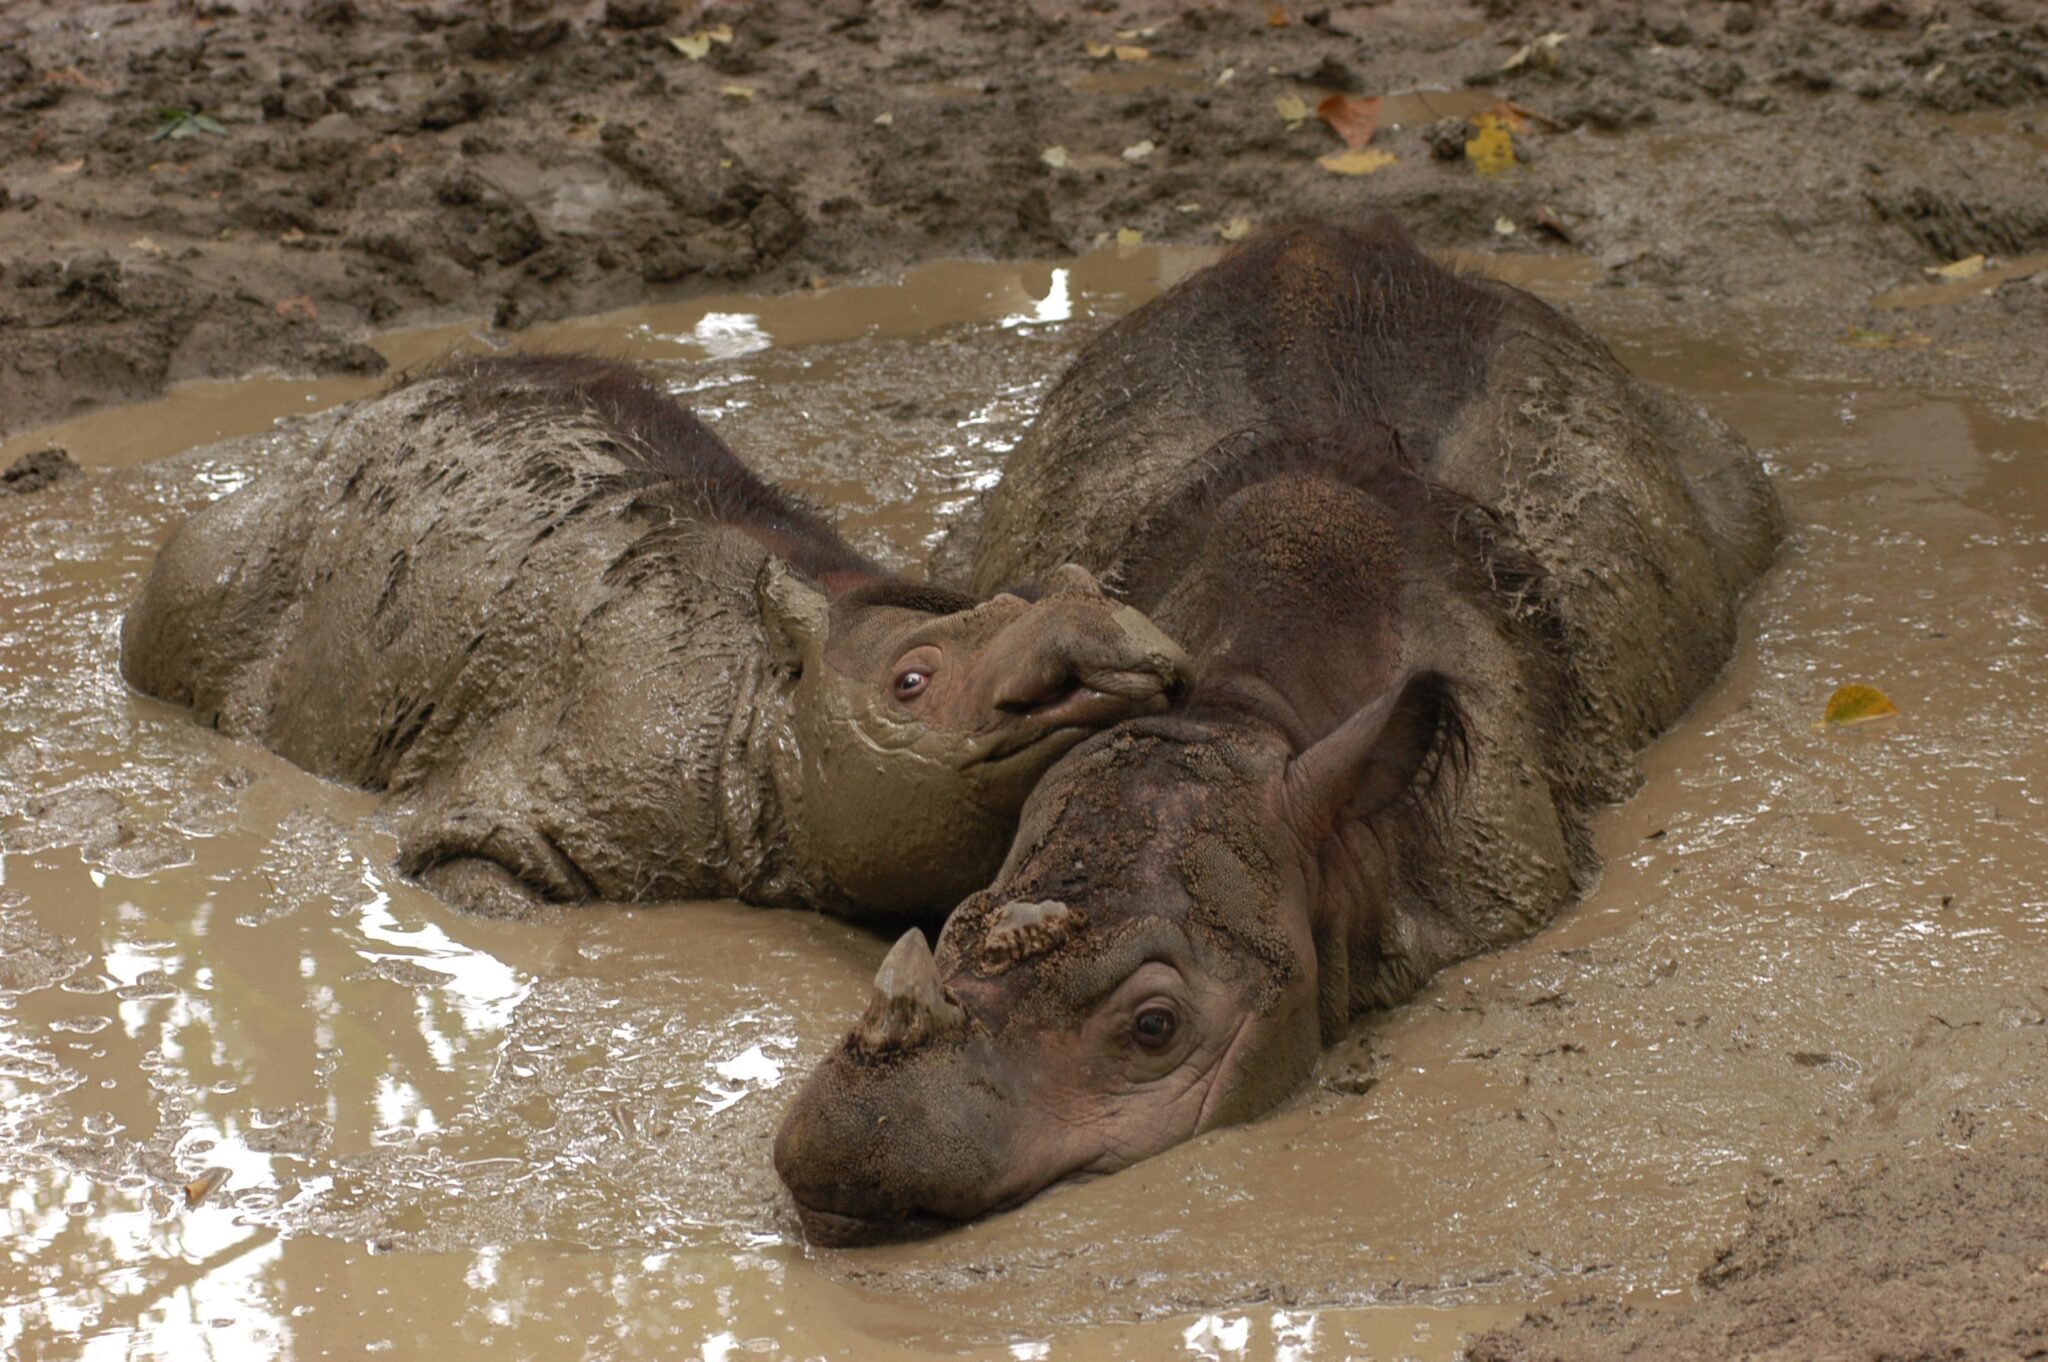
{"points": [[469, 1138]]}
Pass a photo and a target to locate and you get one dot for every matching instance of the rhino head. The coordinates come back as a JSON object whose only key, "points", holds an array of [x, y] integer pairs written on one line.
{"points": [[1169, 944], [922, 720]]}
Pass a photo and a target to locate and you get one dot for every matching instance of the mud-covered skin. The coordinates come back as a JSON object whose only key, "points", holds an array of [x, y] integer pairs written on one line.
{"points": [[596, 657], [1443, 567]]}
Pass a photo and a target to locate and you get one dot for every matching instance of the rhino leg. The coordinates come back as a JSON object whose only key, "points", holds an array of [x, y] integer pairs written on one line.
{"points": [[490, 862]]}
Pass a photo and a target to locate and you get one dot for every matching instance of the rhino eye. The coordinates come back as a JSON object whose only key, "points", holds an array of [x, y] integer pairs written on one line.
{"points": [[1154, 1026], [911, 683]]}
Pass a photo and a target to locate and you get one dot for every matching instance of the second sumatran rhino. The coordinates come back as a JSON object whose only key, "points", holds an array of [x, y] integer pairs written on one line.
{"points": [[1443, 567], [596, 657]]}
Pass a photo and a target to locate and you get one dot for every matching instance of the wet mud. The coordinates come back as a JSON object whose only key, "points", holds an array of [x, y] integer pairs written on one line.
{"points": [[1813, 955]]}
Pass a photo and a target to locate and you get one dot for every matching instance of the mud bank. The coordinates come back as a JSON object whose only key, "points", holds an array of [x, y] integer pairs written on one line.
{"points": [[346, 166]]}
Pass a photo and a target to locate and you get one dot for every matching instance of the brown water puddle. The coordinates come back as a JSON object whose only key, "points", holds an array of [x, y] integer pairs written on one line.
{"points": [[464, 1138]]}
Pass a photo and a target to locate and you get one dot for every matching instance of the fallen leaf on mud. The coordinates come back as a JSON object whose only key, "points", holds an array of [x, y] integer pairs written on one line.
{"points": [[1129, 236], [1237, 229], [1226, 75], [301, 306], [1138, 151], [291, 236], [737, 91], [883, 120], [1865, 338], [1503, 227], [1549, 221], [1510, 114], [697, 46], [68, 167], [1354, 120], [1858, 704], [1491, 149], [1934, 74], [1357, 162], [1276, 17], [146, 245], [1541, 54], [204, 1186], [1130, 52], [1292, 108], [1055, 157], [1969, 267]]}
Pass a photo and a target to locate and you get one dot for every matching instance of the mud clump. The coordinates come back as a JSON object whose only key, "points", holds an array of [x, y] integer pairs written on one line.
{"points": [[38, 471]]}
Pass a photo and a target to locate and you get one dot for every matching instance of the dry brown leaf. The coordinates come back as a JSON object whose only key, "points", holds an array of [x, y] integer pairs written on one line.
{"points": [[1549, 221], [1357, 162], [1354, 120], [68, 167], [1276, 17], [204, 1186]]}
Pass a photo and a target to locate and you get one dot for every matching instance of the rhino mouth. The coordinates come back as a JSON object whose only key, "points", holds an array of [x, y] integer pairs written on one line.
{"points": [[842, 1229], [1079, 708]]}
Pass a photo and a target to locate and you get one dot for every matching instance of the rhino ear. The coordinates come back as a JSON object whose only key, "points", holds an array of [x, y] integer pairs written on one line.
{"points": [[794, 615], [1375, 757]]}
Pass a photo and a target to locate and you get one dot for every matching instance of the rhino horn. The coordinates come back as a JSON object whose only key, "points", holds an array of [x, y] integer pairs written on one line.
{"points": [[1019, 930], [909, 1006]]}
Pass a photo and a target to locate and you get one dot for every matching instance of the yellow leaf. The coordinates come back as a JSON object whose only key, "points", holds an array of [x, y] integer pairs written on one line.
{"points": [[883, 120], [1237, 229], [1292, 108], [696, 46], [1096, 51], [1858, 704], [1129, 236], [737, 91], [1054, 156], [1492, 148], [1132, 53], [1357, 162], [1138, 151], [1969, 267], [1503, 227]]}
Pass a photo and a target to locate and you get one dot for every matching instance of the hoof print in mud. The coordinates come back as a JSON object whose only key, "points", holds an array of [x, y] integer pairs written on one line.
{"points": [[1442, 565]]}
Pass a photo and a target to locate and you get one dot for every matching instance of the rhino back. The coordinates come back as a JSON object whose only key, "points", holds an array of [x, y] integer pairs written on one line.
{"points": [[1648, 518], [1304, 328], [371, 608]]}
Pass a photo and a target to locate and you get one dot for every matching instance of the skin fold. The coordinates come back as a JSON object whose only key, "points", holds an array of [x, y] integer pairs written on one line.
{"points": [[590, 655], [1443, 568]]}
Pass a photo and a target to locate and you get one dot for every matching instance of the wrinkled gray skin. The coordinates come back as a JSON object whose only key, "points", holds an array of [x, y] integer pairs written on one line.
{"points": [[594, 657], [1443, 567]]}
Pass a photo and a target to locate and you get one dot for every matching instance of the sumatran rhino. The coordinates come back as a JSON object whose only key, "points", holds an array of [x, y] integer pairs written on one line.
{"points": [[597, 657], [1443, 567]]}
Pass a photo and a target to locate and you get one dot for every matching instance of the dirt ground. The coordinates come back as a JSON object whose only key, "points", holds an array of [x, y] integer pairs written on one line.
{"points": [[355, 165], [344, 167]]}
